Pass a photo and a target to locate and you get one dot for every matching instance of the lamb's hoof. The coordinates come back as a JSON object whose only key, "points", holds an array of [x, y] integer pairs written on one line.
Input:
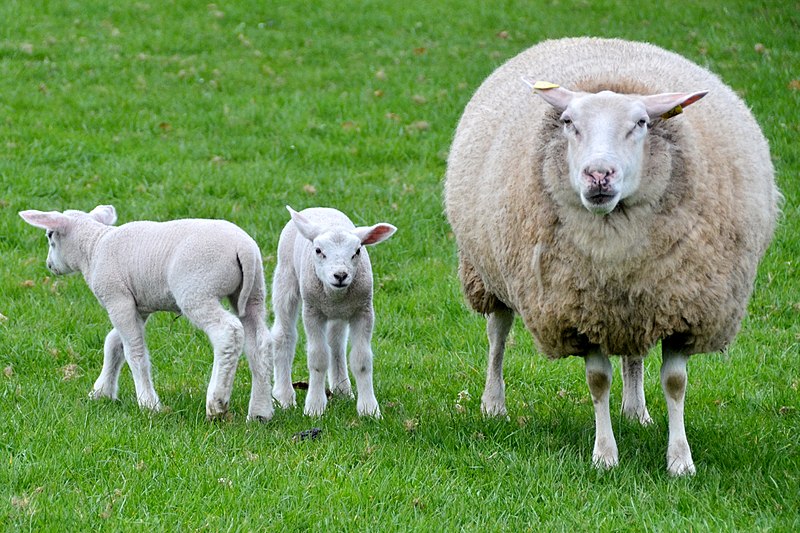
{"points": [[263, 419], [605, 456], [640, 415], [493, 409], [679, 461], [216, 409], [369, 410], [97, 394], [285, 399], [314, 408]]}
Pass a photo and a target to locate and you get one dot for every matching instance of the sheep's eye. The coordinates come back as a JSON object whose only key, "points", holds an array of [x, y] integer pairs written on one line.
{"points": [[49, 234], [358, 252], [642, 123], [319, 253]]}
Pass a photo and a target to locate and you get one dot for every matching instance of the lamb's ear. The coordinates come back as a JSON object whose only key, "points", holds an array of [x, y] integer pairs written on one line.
{"points": [[556, 96], [667, 105], [51, 220], [105, 214], [374, 234], [307, 229]]}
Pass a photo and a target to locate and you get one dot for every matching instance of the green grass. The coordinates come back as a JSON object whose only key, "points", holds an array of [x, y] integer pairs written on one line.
{"points": [[177, 108]]}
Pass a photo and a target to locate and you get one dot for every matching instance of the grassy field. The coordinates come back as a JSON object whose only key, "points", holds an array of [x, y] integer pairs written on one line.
{"points": [[178, 108]]}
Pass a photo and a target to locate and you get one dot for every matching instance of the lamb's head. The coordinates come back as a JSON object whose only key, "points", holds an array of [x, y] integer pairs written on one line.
{"points": [[66, 250], [606, 139], [336, 251]]}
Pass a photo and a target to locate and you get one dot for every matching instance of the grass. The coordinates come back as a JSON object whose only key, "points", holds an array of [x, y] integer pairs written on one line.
{"points": [[177, 108]]}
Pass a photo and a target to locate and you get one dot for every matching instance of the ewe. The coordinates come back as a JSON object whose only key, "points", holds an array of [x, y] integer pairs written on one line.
{"points": [[184, 266], [323, 266], [605, 223]]}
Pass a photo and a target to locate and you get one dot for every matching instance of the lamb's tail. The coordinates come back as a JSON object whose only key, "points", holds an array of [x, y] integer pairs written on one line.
{"points": [[252, 275]]}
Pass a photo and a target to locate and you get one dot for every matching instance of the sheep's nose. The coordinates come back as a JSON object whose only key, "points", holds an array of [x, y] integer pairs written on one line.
{"points": [[599, 176], [340, 276]]}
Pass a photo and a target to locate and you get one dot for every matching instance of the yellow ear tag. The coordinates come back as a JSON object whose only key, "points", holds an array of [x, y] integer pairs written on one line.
{"points": [[544, 85], [677, 110]]}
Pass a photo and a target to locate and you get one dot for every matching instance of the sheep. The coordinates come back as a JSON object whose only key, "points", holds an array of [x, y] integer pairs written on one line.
{"points": [[323, 265], [605, 223], [184, 266]]}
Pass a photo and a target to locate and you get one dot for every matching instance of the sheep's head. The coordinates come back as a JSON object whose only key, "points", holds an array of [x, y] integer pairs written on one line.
{"points": [[336, 251], [606, 135], [65, 252]]}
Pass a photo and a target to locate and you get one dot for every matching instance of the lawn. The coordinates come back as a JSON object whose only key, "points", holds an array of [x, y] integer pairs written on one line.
{"points": [[233, 110]]}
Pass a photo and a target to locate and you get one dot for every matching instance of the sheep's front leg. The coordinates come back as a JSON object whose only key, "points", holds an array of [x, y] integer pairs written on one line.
{"points": [[361, 364], [130, 326], [598, 376], [633, 402], [107, 383], [338, 379], [673, 381], [318, 358], [498, 325]]}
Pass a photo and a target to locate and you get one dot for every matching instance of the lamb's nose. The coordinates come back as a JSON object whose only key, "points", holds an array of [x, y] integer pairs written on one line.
{"points": [[340, 276], [599, 175]]}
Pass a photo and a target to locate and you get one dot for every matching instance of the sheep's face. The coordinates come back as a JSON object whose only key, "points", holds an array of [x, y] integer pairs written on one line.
{"points": [[606, 134], [57, 262], [337, 255]]}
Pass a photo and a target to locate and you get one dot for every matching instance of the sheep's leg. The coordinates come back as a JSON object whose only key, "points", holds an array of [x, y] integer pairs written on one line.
{"points": [[130, 327], [633, 402], [673, 381], [498, 325], [318, 358], [258, 349], [226, 334], [286, 305], [338, 379], [598, 376], [107, 383], [361, 364]]}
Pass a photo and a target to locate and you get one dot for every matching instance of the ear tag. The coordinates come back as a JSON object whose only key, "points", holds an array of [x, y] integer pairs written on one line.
{"points": [[677, 110], [544, 85]]}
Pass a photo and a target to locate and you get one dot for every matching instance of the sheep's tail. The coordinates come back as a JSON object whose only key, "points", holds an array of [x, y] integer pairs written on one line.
{"points": [[250, 262]]}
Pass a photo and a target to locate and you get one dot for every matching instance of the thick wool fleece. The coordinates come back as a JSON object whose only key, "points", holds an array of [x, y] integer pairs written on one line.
{"points": [[675, 260]]}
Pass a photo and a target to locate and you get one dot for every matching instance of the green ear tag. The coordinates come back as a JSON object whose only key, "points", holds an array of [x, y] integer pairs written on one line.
{"points": [[677, 110]]}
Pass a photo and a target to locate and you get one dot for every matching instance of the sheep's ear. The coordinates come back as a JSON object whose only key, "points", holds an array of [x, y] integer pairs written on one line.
{"points": [[667, 105], [105, 214], [50, 220], [307, 229], [374, 234], [556, 96]]}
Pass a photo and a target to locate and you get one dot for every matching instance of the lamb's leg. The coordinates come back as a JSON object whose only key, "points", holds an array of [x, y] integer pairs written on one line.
{"points": [[338, 379], [598, 376], [130, 326], [107, 383], [498, 325], [673, 381], [318, 358], [361, 364], [285, 304], [226, 334], [258, 349], [633, 402]]}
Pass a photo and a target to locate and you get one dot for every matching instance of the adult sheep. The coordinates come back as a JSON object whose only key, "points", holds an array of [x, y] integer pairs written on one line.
{"points": [[607, 224]]}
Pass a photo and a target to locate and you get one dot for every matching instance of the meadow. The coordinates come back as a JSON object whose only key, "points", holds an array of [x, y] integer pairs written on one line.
{"points": [[233, 110]]}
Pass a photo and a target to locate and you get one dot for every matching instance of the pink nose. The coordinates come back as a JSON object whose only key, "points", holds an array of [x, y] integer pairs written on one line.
{"points": [[599, 177]]}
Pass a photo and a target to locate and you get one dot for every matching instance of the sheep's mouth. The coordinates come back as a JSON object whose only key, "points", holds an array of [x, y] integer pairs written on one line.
{"points": [[599, 198], [339, 285], [600, 203]]}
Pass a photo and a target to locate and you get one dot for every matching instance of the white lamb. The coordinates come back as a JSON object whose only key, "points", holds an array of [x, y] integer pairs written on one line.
{"points": [[184, 266], [323, 265], [605, 223]]}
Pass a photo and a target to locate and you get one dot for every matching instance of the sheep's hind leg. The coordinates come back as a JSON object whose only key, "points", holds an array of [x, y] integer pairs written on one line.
{"points": [[286, 305], [226, 334], [258, 349], [338, 379], [598, 376], [498, 325], [633, 403], [673, 381], [107, 383], [361, 365]]}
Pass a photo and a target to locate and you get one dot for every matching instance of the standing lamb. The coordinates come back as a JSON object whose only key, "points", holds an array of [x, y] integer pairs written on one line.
{"points": [[323, 265], [184, 266], [605, 223]]}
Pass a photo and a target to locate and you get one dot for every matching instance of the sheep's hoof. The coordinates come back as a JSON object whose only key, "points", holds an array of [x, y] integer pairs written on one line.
{"points": [[493, 410], [263, 419], [97, 394], [605, 457], [216, 409], [679, 460]]}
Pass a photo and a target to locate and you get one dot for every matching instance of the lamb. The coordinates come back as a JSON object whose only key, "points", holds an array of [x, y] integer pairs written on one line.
{"points": [[605, 223], [323, 265], [184, 266]]}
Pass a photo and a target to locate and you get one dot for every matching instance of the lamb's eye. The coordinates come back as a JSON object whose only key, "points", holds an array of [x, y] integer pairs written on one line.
{"points": [[319, 253], [358, 252], [642, 123]]}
